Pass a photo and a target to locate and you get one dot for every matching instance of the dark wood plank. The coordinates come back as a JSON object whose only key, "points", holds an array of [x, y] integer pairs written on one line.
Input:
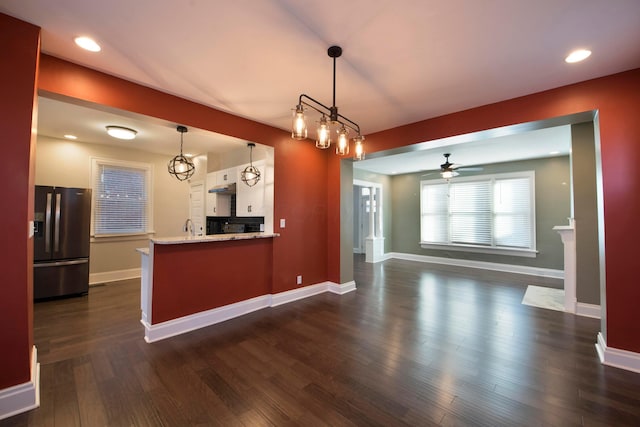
{"points": [[416, 344]]}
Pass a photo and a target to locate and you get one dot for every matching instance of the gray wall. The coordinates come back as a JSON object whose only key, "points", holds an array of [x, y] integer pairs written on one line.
{"points": [[346, 221], [387, 211], [585, 212], [553, 207]]}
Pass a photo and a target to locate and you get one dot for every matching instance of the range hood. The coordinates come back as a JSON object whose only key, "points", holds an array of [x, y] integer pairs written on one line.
{"points": [[224, 189]]}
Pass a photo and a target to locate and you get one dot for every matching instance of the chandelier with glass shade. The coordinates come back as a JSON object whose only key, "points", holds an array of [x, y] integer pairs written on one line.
{"points": [[330, 120]]}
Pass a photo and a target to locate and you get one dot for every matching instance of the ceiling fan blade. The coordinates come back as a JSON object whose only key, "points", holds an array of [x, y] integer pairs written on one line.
{"points": [[471, 168]]}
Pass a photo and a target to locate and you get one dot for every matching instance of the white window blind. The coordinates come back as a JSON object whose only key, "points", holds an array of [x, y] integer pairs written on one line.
{"points": [[122, 203], [512, 212], [494, 211], [470, 212], [435, 213]]}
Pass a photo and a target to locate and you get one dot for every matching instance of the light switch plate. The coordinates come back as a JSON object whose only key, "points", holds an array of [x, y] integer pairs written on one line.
{"points": [[283, 223]]}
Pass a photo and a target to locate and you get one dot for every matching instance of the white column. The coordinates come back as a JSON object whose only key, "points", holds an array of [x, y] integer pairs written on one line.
{"points": [[378, 212], [372, 214], [374, 251], [568, 236]]}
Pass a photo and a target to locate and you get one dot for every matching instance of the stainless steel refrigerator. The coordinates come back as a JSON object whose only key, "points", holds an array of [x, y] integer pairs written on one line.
{"points": [[62, 224]]}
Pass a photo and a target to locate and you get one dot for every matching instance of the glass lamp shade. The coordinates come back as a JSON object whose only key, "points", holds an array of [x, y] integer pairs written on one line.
{"points": [[250, 175], [181, 167], [299, 124], [448, 174], [121, 132], [342, 147], [324, 133], [358, 148]]}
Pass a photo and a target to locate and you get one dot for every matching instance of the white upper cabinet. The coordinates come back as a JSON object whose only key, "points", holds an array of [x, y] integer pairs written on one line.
{"points": [[216, 204], [226, 176], [250, 201]]}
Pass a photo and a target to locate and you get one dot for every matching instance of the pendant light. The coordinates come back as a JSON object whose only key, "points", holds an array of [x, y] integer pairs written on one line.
{"points": [[180, 166], [250, 175], [323, 136]]}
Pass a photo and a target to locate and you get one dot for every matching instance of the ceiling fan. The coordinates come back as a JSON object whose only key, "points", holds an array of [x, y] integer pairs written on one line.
{"points": [[448, 170]]}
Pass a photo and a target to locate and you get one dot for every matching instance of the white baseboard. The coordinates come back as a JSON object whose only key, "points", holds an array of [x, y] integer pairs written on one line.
{"points": [[342, 288], [114, 276], [507, 268], [588, 310], [296, 294], [22, 397], [622, 359], [195, 321]]}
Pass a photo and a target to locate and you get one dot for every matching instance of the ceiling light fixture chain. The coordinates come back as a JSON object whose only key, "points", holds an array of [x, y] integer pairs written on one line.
{"points": [[180, 166], [323, 137]]}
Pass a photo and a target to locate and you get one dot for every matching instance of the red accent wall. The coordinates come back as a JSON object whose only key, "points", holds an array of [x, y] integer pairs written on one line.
{"points": [[307, 189], [195, 277], [301, 175], [617, 99], [19, 47]]}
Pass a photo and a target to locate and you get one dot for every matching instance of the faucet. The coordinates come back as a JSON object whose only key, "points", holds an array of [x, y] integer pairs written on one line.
{"points": [[188, 227]]}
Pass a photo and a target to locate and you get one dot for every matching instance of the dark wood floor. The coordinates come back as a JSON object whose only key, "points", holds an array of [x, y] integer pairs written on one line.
{"points": [[414, 345]]}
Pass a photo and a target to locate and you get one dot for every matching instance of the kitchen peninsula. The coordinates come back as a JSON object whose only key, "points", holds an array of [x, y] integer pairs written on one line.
{"points": [[189, 282]]}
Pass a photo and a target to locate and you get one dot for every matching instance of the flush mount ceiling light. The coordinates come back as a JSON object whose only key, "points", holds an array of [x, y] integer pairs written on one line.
{"points": [[121, 132], [87, 43], [181, 167], [250, 175], [577, 56], [323, 137]]}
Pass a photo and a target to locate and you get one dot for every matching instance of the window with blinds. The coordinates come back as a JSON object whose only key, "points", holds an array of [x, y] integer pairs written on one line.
{"points": [[121, 197], [494, 211]]}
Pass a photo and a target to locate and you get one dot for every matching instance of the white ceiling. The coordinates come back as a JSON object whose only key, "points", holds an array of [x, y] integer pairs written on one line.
{"points": [[57, 118], [548, 142], [403, 60]]}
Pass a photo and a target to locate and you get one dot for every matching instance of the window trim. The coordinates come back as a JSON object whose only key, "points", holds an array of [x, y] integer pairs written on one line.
{"points": [[495, 250], [96, 162]]}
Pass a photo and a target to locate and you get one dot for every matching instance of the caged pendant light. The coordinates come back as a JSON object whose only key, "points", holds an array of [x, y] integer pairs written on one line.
{"points": [[250, 175], [180, 166], [323, 133]]}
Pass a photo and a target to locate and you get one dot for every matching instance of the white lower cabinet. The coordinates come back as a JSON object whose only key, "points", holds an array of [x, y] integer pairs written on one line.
{"points": [[250, 200]]}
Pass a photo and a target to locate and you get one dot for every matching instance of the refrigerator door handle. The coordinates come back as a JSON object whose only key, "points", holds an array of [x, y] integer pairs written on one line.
{"points": [[61, 263], [47, 226], [56, 231]]}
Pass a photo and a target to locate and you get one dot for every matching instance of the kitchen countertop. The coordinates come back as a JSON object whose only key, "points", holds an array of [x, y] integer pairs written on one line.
{"points": [[178, 240]]}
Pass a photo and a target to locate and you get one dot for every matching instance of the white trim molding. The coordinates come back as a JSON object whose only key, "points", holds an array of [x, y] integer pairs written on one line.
{"points": [[588, 310], [170, 328], [507, 268], [114, 276], [622, 359], [22, 397]]}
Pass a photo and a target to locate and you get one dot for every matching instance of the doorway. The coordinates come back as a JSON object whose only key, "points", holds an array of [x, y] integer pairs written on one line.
{"points": [[196, 207]]}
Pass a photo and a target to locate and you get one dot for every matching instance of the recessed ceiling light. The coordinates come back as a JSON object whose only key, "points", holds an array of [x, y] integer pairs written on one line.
{"points": [[577, 56], [87, 43], [554, 152], [69, 136], [121, 132]]}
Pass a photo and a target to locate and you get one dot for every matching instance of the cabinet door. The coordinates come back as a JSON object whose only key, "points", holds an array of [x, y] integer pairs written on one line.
{"points": [[216, 204], [226, 176], [250, 200]]}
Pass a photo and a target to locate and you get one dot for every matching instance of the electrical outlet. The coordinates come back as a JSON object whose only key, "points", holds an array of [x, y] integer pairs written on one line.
{"points": [[299, 280], [283, 223]]}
